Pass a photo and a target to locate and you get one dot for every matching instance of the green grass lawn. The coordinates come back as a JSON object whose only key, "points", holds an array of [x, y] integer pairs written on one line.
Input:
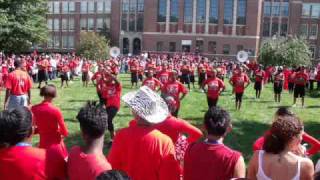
{"points": [[248, 124]]}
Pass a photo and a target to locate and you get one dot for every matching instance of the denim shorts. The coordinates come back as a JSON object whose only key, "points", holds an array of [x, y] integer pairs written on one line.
{"points": [[17, 101]]}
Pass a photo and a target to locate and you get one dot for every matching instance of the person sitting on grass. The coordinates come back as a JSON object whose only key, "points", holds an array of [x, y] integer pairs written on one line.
{"points": [[211, 159], [87, 162], [282, 156]]}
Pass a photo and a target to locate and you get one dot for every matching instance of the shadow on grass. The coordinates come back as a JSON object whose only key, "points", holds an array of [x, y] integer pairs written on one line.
{"points": [[312, 107], [261, 101], [70, 120], [78, 101], [314, 94], [277, 107]]}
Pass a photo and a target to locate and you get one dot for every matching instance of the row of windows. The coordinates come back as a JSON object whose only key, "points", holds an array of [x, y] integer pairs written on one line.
{"points": [[201, 11], [67, 24], [311, 10], [85, 7], [58, 42], [310, 31], [275, 28], [132, 6], [132, 23], [276, 9]]}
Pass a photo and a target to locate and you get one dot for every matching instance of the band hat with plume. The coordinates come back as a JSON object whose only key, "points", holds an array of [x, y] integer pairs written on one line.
{"points": [[147, 104]]}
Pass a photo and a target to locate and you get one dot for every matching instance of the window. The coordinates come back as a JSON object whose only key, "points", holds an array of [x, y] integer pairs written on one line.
{"points": [[201, 11], [72, 7], [228, 11], [83, 24], [172, 46], [199, 45], [124, 22], [71, 24], [50, 41], [56, 7], [276, 9], [275, 28], [240, 48], [313, 50], [107, 22], [313, 31], [107, 6], [56, 24], [90, 24], [306, 9], [284, 29], [49, 24], [132, 22], [212, 45], [266, 29], [241, 12], [100, 6], [133, 5], [285, 9], [65, 7], [188, 11], [140, 23], [174, 11], [64, 23], [56, 42], [315, 13], [162, 9], [214, 11], [91, 7], [159, 46], [71, 42], [84, 8], [267, 8], [99, 24], [50, 7], [304, 29], [140, 5], [125, 6], [64, 42], [226, 49]]}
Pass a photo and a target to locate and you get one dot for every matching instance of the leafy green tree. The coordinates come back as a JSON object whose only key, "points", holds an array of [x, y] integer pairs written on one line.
{"points": [[22, 24], [92, 46], [106, 33], [285, 51]]}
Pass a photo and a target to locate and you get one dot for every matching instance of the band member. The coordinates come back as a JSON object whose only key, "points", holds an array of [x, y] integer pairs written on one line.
{"points": [[65, 74], [43, 66], [300, 81], [291, 81], [239, 81], [202, 67], [174, 88], [163, 76], [259, 76], [18, 87], [134, 68], [152, 82], [96, 79], [192, 77], [185, 74], [85, 73], [215, 87], [278, 84]]}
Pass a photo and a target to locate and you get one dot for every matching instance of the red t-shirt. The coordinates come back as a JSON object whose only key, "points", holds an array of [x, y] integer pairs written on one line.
{"points": [[301, 79], [209, 162], [134, 66], [152, 83], [112, 93], [44, 65], [18, 82], [50, 124], [144, 154], [185, 69], [214, 87], [174, 89], [163, 77], [83, 166], [239, 82], [85, 67], [259, 75]]}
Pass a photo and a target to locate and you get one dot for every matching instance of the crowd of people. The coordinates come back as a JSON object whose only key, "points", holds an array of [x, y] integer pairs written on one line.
{"points": [[156, 144]]}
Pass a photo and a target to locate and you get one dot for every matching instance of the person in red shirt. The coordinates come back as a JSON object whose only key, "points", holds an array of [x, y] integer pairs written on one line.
{"points": [[43, 66], [18, 87], [174, 88], [85, 73], [87, 162], [239, 81], [278, 84], [65, 74], [259, 75], [202, 68], [301, 79], [291, 81], [134, 69], [18, 159], [185, 74], [141, 151], [215, 87], [49, 122], [96, 78], [211, 159], [152, 82], [163, 76], [111, 92]]}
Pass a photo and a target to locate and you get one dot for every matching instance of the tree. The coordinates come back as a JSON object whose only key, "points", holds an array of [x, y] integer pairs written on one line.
{"points": [[22, 24], [106, 33], [92, 46], [285, 51]]}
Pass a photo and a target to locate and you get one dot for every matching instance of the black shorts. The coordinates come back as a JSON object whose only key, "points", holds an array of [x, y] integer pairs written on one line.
{"points": [[299, 91], [42, 75], [277, 87], [140, 77], [290, 86], [202, 78], [212, 102], [112, 112], [64, 77], [185, 79], [258, 86], [192, 79], [85, 76], [134, 77], [239, 97]]}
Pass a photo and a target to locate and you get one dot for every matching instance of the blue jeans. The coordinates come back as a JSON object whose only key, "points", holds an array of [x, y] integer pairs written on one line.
{"points": [[17, 101]]}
